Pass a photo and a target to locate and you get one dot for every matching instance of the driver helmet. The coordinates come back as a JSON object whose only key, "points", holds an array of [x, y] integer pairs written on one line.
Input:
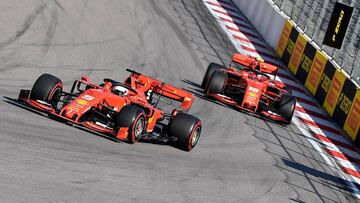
{"points": [[119, 90]]}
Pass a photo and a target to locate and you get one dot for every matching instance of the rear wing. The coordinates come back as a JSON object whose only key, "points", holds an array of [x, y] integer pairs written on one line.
{"points": [[144, 83], [253, 62]]}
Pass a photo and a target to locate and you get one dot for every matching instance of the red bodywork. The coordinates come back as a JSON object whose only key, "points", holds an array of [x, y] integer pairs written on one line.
{"points": [[249, 83], [100, 97]]}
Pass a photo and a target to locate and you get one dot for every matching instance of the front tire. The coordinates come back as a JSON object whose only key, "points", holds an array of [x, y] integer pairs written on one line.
{"points": [[286, 107], [216, 83], [47, 88], [133, 118], [187, 129], [209, 71]]}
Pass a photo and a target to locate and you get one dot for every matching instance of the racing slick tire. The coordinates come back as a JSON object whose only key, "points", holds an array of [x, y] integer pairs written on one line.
{"points": [[209, 71], [287, 107], [186, 129], [216, 83], [131, 117], [47, 88]]}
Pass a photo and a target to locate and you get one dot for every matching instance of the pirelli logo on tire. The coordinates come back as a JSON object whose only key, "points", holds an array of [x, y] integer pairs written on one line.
{"points": [[316, 70], [352, 123], [284, 38], [334, 92]]}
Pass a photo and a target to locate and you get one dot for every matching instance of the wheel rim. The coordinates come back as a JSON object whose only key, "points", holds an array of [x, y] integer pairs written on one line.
{"points": [[139, 128], [55, 97], [195, 137]]}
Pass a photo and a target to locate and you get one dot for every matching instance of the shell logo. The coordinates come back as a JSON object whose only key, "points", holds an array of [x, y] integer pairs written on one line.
{"points": [[82, 102]]}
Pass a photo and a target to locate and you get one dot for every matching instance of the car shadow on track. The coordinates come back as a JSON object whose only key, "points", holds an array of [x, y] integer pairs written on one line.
{"points": [[336, 181]]}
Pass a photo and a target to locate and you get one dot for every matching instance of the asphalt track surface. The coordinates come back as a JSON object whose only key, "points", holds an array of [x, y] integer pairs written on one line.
{"points": [[239, 158]]}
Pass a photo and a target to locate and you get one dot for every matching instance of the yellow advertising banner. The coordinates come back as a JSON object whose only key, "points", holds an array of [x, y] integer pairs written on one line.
{"points": [[352, 122], [316, 70], [297, 54], [334, 92], [284, 37]]}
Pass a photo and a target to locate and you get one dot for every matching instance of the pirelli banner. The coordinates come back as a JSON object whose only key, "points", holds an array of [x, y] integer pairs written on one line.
{"points": [[295, 51], [328, 84], [352, 122]]}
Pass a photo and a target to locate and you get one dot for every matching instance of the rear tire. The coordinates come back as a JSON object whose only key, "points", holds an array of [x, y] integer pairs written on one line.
{"points": [[287, 107], [209, 71], [216, 83], [47, 88], [131, 117], [187, 129]]}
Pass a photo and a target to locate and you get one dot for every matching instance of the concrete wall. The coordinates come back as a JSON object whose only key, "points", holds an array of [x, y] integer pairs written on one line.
{"points": [[265, 19]]}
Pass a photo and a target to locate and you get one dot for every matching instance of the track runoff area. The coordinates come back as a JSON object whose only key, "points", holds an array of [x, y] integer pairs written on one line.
{"points": [[309, 117]]}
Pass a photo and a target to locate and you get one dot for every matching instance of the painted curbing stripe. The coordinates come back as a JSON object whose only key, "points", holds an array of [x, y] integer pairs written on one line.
{"points": [[230, 3], [226, 8], [306, 101], [334, 136], [243, 35], [320, 121], [302, 97], [323, 120], [346, 166], [346, 147], [237, 23], [230, 14], [335, 142], [344, 151], [244, 39], [308, 107], [350, 171], [227, 11], [331, 162], [318, 125], [263, 52], [310, 112], [241, 30], [343, 154]]}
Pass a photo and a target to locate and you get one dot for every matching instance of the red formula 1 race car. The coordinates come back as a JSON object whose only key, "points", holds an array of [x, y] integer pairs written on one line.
{"points": [[127, 111], [249, 84]]}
